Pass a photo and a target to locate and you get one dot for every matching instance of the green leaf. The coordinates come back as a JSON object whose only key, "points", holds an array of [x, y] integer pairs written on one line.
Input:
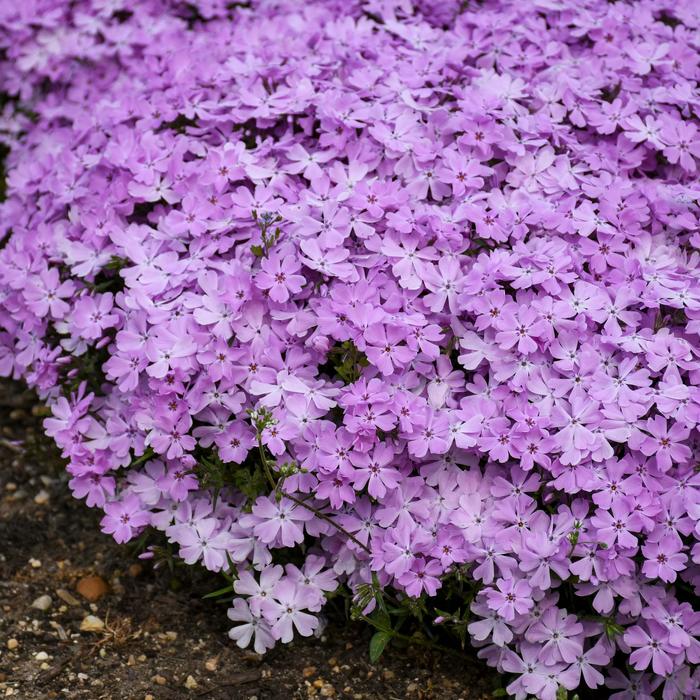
{"points": [[148, 454], [381, 620], [377, 645], [257, 251], [230, 573], [250, 484], [219, 593], [117, 263], [401, 612], [612, 629]]}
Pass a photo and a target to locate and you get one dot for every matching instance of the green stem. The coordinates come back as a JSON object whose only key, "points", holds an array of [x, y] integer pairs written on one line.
{"points": [[299, 502], [410, 640], [148, 454]]}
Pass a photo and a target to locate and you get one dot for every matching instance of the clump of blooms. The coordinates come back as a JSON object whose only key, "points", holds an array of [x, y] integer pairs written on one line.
{"points": [[393, 297]]}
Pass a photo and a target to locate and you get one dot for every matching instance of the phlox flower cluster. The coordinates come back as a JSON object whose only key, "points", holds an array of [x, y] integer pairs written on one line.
{"points": [[377, 294]]}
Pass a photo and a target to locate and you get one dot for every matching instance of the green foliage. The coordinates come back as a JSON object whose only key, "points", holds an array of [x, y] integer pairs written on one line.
{"points": [[108, 278], [269, 232], [163, 554], [253, 477], [261, 418], [227, 591], [148, 454], [408, 620], [563, 694], [456, 623], [377, 645], [180, 124], [215, 474], [4, 151], [575, 533], [212, 474], [346, 361], [250, 482], [117, 263], [84, 368], [612, 629]]}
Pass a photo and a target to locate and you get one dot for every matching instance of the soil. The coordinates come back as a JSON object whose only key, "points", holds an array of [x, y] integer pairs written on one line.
{"points": [[160, 640]]}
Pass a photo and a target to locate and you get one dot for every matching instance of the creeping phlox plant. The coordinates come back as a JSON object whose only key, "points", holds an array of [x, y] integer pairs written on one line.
{"points": [[393, 297]]}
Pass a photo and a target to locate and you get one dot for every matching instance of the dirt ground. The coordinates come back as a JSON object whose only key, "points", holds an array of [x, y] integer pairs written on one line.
{"points": [[159, 640]]}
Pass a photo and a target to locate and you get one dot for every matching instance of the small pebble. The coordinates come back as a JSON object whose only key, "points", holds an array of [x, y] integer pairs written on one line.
{"points": [[43, 603], [41, 656], [91, 623], [34, 563], [42, 498], [67, 597], [92, 588], [211, 664], [190, 683], [159, 680], [308, 671], [12, 644], [59, 629]]}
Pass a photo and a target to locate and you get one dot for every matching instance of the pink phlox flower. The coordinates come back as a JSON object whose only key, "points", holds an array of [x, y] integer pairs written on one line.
{"points": [[512, 597], [124, 518], [253, 628], [278, 276], [281, 521]]}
